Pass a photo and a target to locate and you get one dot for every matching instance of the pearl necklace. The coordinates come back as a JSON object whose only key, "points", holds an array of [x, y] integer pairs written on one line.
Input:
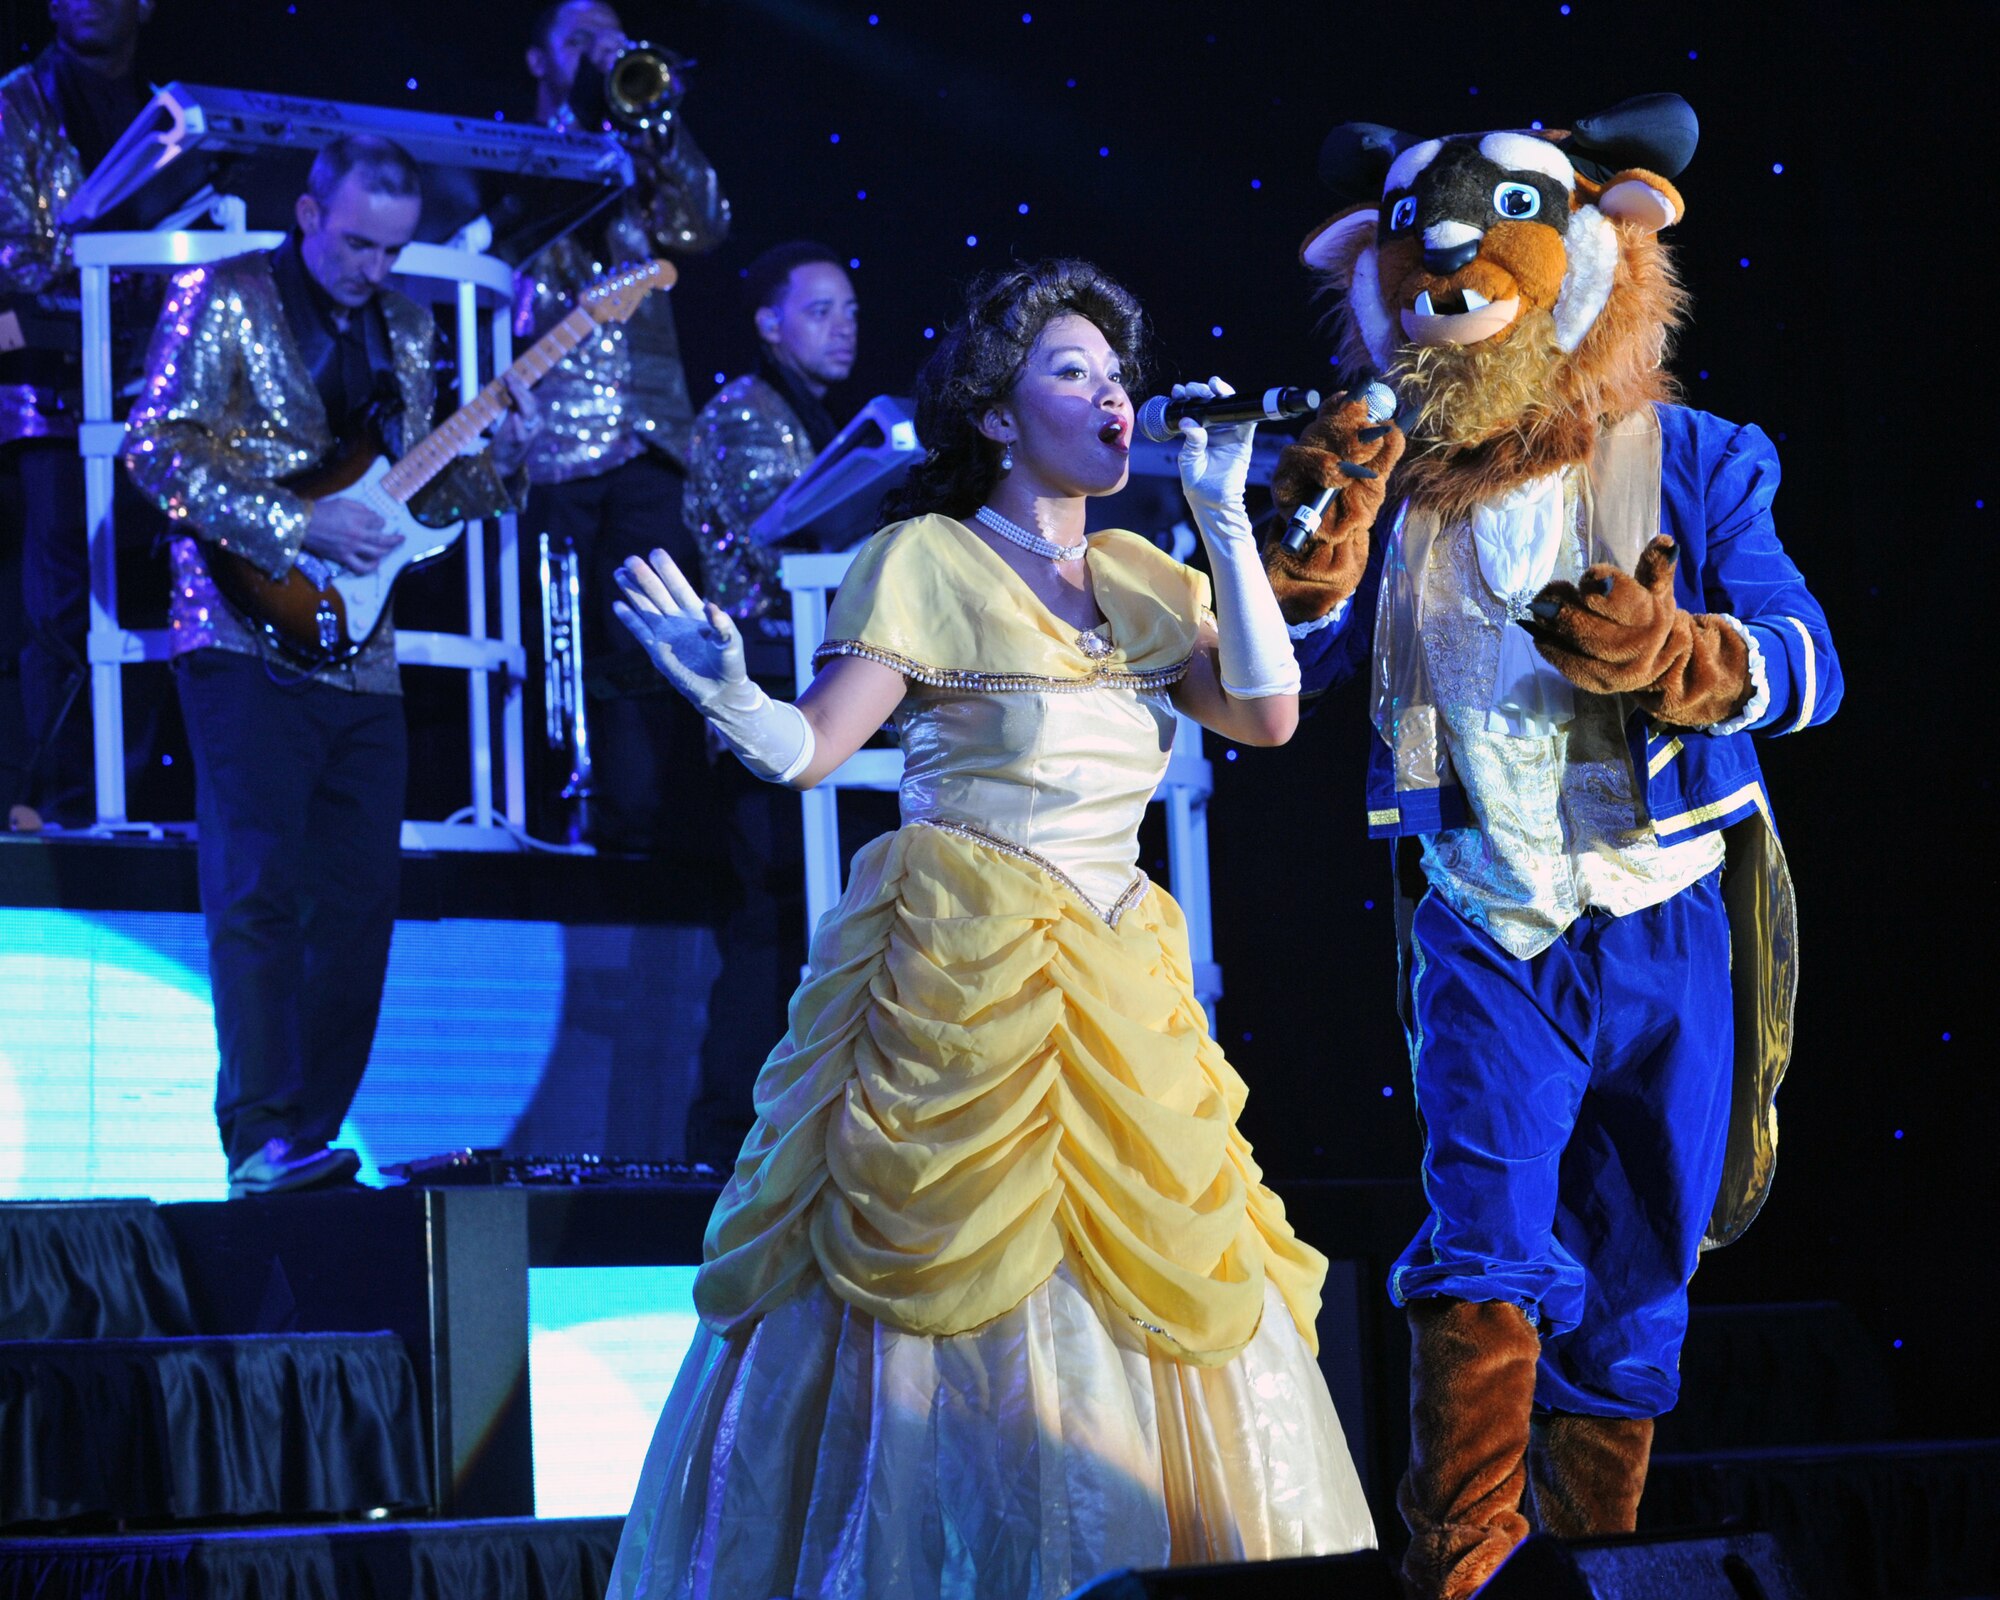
{"points": [[1029, 540]]}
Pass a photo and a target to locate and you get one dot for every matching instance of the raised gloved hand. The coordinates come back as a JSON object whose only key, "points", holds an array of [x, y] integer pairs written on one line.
{"points": [[1253, 652], [699, 651], [1611, 633], [1215, 466], [1343, 446]]}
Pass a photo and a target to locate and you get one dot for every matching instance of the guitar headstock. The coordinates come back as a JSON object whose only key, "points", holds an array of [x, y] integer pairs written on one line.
{"points": [[615, 298]]}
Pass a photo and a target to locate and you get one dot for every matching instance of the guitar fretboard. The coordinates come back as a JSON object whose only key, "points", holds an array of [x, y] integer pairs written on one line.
{"points": [[447, 442]]}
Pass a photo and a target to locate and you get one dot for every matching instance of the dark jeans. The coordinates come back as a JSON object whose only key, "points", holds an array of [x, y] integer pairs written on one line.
{"points": [[650, 765], [299, 797]]}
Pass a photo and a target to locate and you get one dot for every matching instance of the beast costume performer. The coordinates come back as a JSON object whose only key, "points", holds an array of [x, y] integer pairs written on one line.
{"points": [[1573, 618]]}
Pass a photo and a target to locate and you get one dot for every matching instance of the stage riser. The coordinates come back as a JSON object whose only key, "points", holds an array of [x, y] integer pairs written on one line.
{"points": [[105, 1270], [505, 1560], [442, 1268], [446, 1271], [186, 1430]]}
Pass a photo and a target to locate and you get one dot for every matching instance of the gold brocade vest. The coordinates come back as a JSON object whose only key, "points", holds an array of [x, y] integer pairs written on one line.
{"points": [[1621, 512]]}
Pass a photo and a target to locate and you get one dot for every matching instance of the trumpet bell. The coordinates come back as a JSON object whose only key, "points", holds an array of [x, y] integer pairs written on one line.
{"points": [[643, 87]]}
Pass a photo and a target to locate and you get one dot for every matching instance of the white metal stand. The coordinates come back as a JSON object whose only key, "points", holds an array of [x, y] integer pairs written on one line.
{"points": [[1184, 791], [470, 282]]}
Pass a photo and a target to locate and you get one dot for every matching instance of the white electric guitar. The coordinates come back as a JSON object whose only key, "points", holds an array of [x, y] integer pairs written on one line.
{"points": [[319, 613]]}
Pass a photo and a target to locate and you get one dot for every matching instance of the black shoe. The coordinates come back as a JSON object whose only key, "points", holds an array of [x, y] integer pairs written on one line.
{"points": [[280, 1167]]}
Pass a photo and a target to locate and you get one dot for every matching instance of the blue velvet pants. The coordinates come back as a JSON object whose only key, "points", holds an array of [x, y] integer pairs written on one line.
{"points": [[1575, 1108]]}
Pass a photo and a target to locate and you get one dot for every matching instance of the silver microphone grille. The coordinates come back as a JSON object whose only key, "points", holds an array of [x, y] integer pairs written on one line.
{"points": [[1153, 421]]}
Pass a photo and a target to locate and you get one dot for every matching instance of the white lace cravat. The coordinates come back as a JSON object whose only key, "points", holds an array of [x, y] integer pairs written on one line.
{"points": [[1517, 538]]}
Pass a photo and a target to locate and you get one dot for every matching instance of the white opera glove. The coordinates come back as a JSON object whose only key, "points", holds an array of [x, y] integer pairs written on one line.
{"points": [[699, 651], [1255, 651]]}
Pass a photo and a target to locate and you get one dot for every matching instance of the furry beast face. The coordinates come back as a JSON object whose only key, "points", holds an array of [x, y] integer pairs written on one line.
{"points": [[1475, 233], [1510, 286]]}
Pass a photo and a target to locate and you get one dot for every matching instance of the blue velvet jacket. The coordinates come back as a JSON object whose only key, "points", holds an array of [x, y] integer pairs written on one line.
{"points": [[1718, 480]]}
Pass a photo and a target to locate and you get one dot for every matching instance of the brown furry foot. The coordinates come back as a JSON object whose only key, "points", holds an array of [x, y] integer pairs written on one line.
{"points": [[1588, 1473], [1472, 1390]]}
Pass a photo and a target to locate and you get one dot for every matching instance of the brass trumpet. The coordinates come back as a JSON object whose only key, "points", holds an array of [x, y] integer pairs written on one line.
{"points": [[643, 89]]}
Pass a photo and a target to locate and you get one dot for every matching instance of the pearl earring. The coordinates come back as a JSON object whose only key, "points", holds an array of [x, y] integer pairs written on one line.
{"points": [[1007, 458]]}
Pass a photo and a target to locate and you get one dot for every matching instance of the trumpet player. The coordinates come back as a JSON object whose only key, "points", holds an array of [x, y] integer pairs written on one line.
{"points": [[609, 471]]}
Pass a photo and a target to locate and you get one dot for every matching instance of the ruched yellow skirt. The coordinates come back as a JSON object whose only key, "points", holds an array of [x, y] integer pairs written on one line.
{"points": [[983, 1080]]}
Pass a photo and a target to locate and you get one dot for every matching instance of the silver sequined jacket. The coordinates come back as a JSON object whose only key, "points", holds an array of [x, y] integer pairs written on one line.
{"points": [[747, 446], [623, 389], [229, 408], [39, 171]]}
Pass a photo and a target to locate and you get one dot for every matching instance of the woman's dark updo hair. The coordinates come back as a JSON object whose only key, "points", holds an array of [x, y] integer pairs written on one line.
{"points": [[977, 364]]}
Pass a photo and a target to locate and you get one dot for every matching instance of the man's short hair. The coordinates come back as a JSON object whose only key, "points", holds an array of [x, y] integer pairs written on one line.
{"points": [[544, 20], [381, 165], [765, 279], [544, 24]]}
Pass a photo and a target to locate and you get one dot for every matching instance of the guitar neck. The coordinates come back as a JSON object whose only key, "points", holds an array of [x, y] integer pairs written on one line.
{"points": [[445, 443]]}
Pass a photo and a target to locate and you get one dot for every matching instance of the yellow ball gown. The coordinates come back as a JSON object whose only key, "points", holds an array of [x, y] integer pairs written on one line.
{"points": [[996, 1300]]}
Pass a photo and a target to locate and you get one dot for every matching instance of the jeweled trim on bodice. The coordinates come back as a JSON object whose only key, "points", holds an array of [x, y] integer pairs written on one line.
{"points": [[975, 682]]}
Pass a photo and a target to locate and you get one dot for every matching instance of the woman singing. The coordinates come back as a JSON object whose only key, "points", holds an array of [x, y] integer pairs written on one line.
{"points": [[996, 1299]]}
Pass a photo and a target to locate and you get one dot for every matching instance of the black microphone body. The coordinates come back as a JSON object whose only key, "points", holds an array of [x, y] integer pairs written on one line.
{"points": [[1381, 402], [1160, 418]]}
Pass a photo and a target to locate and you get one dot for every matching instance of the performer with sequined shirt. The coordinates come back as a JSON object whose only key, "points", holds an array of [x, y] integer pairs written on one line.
{"points": [[762, 429], [259, 365], [59, 116], [758, 433], [609, 470]]}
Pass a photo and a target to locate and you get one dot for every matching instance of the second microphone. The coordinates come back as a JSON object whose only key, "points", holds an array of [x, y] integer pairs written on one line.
{"points": [[1160, 418]]}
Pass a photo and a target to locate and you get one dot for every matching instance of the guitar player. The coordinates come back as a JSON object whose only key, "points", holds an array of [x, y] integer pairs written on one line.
{"points": [[259, 366]]}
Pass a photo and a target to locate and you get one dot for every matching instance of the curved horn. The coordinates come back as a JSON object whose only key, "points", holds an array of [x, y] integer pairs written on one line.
{"points": [[1653, 131], [1355, 157]]}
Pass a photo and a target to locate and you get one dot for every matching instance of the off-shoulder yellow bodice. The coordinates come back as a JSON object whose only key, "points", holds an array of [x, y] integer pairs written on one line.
{"points": [[1019, 729]]}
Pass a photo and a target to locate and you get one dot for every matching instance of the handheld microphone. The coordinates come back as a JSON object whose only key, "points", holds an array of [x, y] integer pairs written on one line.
{"points": [[1381, 402], [1160, 418]]}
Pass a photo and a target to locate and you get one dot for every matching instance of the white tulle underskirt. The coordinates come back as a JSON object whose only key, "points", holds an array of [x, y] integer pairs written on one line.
{"points": [[826, 1456]]}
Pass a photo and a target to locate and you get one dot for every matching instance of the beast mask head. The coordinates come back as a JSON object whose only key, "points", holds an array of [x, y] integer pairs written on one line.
{"points": [[1510, 284]]}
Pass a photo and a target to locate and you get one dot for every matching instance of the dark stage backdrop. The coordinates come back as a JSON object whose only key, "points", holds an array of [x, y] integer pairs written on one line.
{"points": [[1840, 300]]}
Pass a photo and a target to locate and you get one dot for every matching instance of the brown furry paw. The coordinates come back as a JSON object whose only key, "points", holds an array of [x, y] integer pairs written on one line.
{"points": [[1311, 583], [1610, 633], [1613, 634], [1342, 447], [1707, 683]]}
